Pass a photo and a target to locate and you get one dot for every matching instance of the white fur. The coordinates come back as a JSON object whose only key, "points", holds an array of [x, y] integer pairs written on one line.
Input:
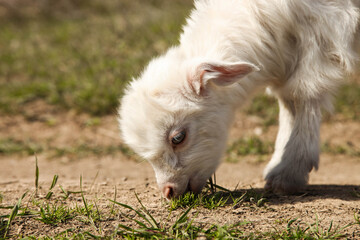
{"points": [[229, 48]]}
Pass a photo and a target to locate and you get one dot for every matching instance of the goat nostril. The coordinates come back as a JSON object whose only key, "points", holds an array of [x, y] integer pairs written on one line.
{"points": [[168, 191]]}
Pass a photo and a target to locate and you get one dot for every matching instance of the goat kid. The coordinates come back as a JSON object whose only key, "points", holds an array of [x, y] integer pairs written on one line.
{"points": [[178, 112]]}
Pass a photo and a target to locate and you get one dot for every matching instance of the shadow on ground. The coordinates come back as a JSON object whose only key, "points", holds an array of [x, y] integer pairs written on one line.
{"points": [[312, 193]]}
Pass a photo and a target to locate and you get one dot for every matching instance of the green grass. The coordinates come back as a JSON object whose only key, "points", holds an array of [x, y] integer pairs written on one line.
{"points": [[266, 108], [248, 146], [129, 222], [214, 196], [298, 230], [14, 212], [83, 57], [345, 149], [348, 101], [141, 224], [10, 146], [54, 214], [85, 150], [255, 146], [357, 218], [182, 228]]}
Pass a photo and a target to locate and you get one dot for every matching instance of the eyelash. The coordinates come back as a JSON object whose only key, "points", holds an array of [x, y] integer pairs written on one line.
{"points": [[177, 138]]}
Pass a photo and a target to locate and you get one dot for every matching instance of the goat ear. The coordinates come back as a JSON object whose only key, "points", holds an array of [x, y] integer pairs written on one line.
{"points": [[220, 73]]}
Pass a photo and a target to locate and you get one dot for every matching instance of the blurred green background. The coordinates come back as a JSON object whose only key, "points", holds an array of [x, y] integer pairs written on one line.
{"points": [[79, 54]]}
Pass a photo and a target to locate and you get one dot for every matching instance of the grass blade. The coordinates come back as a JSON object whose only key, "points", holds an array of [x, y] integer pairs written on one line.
{"points": [[221, 188], [93, 182], [146, 233], [211, 185], [50, 193], [83, 198], [13, 214], [112, 206], [214, 182], [36, 175], [132, 209], [137, 221], [54, 182], [137, 212], [147, 213], [66, 193], [182, 218], [92, 235]]}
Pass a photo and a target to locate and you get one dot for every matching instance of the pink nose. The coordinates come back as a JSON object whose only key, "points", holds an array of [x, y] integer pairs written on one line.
{"points": [[168, 191]]}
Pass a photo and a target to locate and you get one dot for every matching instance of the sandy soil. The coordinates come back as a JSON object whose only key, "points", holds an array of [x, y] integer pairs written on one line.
{"points": [[333, 193]]}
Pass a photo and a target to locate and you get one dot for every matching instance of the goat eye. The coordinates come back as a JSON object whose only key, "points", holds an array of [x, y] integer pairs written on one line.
{"points": [[178, 138]]}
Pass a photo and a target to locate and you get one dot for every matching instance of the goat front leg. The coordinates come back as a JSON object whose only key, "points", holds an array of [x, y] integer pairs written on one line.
{"points": [[297, 146]]}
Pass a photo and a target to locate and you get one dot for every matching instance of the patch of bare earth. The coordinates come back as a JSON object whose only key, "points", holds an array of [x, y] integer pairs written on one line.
{"points": [[332, 196]]}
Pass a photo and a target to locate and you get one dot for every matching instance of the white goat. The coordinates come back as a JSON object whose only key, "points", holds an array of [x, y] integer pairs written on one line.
{"points": [[177, 113]]}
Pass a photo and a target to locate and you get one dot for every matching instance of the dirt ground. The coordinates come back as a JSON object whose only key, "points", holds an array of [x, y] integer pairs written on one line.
{"points": [[333, 193]]}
